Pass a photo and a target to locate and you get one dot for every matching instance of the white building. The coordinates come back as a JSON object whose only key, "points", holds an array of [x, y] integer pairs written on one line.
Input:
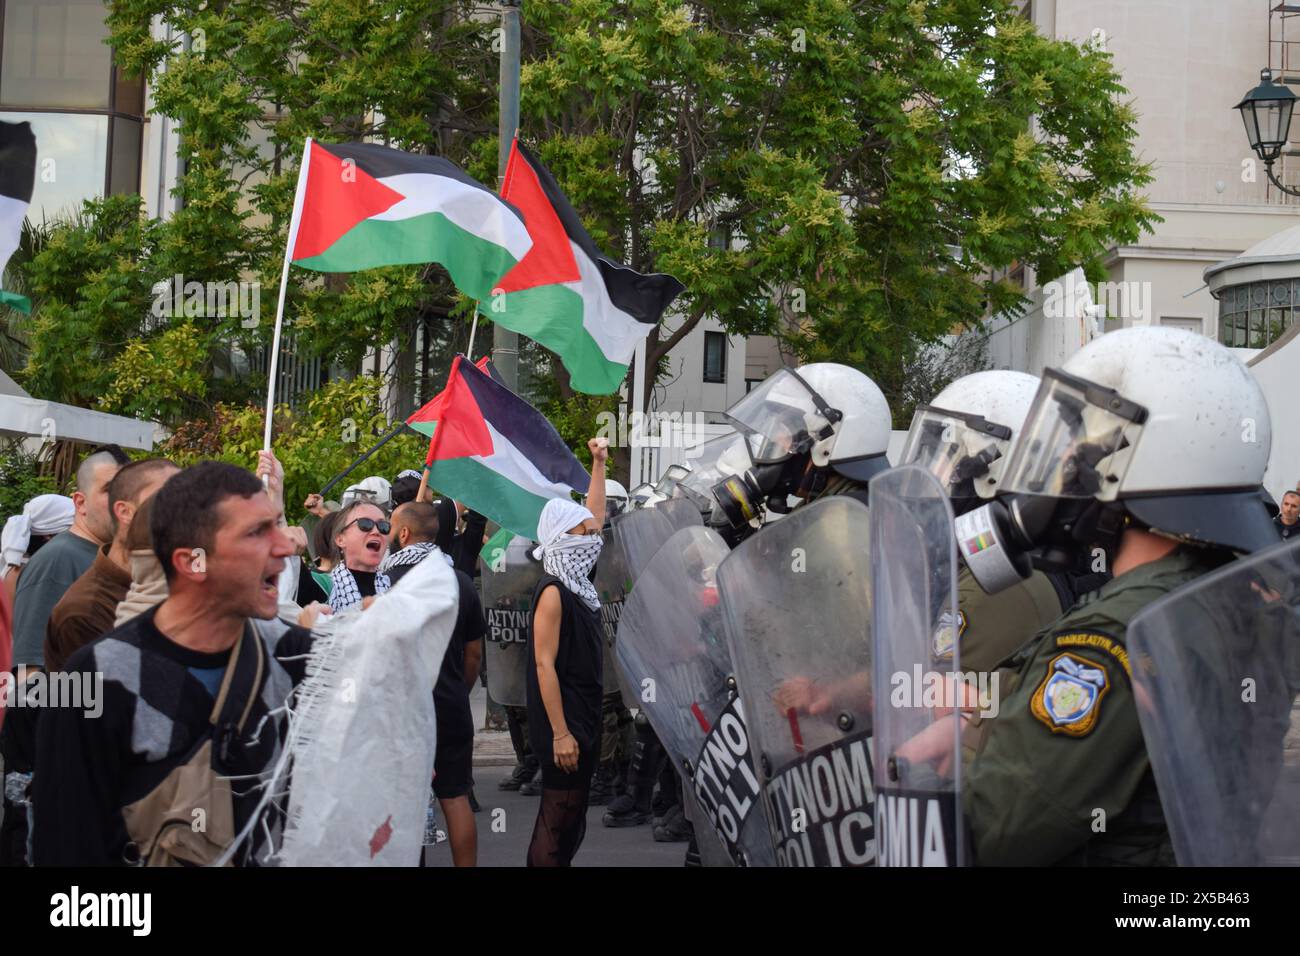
{"points": [[1186, 63]]}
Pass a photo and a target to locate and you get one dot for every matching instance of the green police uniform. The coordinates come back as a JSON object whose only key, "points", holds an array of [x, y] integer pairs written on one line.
{"points": [[992, 627], [1064, 776]]}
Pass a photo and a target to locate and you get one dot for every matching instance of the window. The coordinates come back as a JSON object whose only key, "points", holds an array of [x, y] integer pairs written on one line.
{"points": [[57, 73], [1257, 313], [715, 357]]}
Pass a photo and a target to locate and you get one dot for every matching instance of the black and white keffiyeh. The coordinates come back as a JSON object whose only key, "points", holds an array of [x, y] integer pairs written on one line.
{"points": [[411, 554], [570, 557], [345, 593]]}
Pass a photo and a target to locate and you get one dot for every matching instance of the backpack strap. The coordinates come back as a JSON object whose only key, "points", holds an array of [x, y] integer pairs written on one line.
{"points": [[249, 657]]}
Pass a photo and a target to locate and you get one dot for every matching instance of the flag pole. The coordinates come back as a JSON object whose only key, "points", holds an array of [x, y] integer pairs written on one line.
{"points": [[469, 353], [273, 365]]}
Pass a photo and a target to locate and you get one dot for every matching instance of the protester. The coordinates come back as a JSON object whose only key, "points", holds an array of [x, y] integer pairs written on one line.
{"points": [[188, 691], [564, 693], [89, 607], [51, 572], [359, 542], [27, 532], [463, 547], [1288, 518], [415, 528], [316, 584], [148, 583], [406, 486]]}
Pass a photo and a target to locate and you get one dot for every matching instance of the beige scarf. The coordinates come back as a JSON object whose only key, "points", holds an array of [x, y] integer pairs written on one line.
{"points": [[148, 586]]}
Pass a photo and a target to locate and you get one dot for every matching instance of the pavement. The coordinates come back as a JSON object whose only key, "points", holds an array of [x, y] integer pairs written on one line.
{"points": [[505, 821]]}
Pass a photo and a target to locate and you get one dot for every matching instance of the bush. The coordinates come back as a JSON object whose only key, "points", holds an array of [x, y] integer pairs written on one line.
{"points": [[21, 481], [336, 425]]}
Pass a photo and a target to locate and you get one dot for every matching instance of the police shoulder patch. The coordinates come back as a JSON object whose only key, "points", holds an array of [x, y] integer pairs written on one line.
{"points": [[1068, 700], [947, 634]]}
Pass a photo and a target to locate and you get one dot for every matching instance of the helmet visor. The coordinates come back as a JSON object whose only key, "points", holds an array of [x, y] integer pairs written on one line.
{"points": [[671, 477], [957, 448], [780, 418], [1074, 441], [718, 458]]}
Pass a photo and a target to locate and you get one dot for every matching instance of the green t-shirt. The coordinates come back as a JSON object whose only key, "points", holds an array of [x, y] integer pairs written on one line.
{"points": [[45, 579]]}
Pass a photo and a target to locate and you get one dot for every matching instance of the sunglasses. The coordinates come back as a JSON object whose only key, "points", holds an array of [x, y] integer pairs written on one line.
{"points": [[369, 524]]}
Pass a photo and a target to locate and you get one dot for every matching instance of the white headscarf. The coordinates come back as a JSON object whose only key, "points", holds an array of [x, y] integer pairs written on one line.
{"points": [[569, 557], [43, 515], [559, 515]]}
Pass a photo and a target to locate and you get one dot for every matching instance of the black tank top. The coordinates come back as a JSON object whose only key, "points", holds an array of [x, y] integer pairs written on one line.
{"points": [[578, 666]]}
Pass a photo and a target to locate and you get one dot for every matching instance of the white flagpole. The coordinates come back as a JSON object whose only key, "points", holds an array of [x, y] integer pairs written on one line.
{"points": [[469, 354], [637, 404], [274, 362]]}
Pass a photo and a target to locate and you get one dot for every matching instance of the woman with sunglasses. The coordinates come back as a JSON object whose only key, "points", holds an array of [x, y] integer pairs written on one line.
{"points": [[360, 541]]}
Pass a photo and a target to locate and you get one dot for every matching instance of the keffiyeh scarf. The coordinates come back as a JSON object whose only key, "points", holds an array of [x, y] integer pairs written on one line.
{"points": [[345, 593], [411, 554], [570, 557]]}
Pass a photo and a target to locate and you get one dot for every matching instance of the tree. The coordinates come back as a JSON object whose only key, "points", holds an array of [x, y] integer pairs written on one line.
{"points": [[842, 175]]}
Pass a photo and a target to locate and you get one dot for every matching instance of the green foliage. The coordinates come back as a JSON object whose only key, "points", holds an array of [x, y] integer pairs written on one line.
{"points": [[21, 481], [338, 424], [843, 175]]}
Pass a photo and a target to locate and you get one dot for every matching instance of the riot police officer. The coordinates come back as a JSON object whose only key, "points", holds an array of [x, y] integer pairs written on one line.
{"points": [[819, 430], [963, 437], [1149, 443]]}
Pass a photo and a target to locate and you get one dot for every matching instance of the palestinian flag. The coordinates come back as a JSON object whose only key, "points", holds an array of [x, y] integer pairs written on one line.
{"points": [[587, 309], [494, 452], [17, 179], [360, 206]]}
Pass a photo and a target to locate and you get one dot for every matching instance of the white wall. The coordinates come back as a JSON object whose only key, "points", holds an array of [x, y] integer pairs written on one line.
{"points": [[1278, 374]]}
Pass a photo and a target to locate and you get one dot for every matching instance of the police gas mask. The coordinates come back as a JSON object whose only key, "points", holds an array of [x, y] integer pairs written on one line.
{"points": [[1058, 495], [959, 449]]}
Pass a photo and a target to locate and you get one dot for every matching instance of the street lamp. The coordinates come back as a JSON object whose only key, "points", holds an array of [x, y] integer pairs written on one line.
{"points": [[1266, 112]]}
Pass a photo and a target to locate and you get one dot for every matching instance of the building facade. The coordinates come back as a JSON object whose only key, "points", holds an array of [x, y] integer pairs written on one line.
{"points": [[1186, 63]]}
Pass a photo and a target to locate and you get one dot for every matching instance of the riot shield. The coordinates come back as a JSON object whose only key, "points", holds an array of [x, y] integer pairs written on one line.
{"points": [[508, 583], [612, 585], [681, 513], [672, 649], [640, 534], [920, 696], [1215, 669], [797, 616]]}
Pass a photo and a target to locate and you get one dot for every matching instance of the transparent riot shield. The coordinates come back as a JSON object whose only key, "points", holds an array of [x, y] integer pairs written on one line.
{"points": [[640, 534], [508, 583], [1216, 669], [797, 617], [681, 512], [672, 649], [921, 698], [612, 585]]}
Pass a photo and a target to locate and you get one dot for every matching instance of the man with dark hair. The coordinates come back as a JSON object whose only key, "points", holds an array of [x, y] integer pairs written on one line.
{"points": [[188, 687], [52, 570], [89, 607], [1288, 517], [415, 529]]}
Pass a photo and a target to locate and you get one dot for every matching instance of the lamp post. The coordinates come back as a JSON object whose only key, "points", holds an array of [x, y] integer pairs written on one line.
{"points": [[1266, 113]]}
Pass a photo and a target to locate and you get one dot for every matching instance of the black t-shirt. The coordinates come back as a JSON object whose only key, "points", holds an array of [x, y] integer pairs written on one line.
{"points": [[578, 666], [450, 693], [308, 589], [366, 582], [1286, 530]]}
